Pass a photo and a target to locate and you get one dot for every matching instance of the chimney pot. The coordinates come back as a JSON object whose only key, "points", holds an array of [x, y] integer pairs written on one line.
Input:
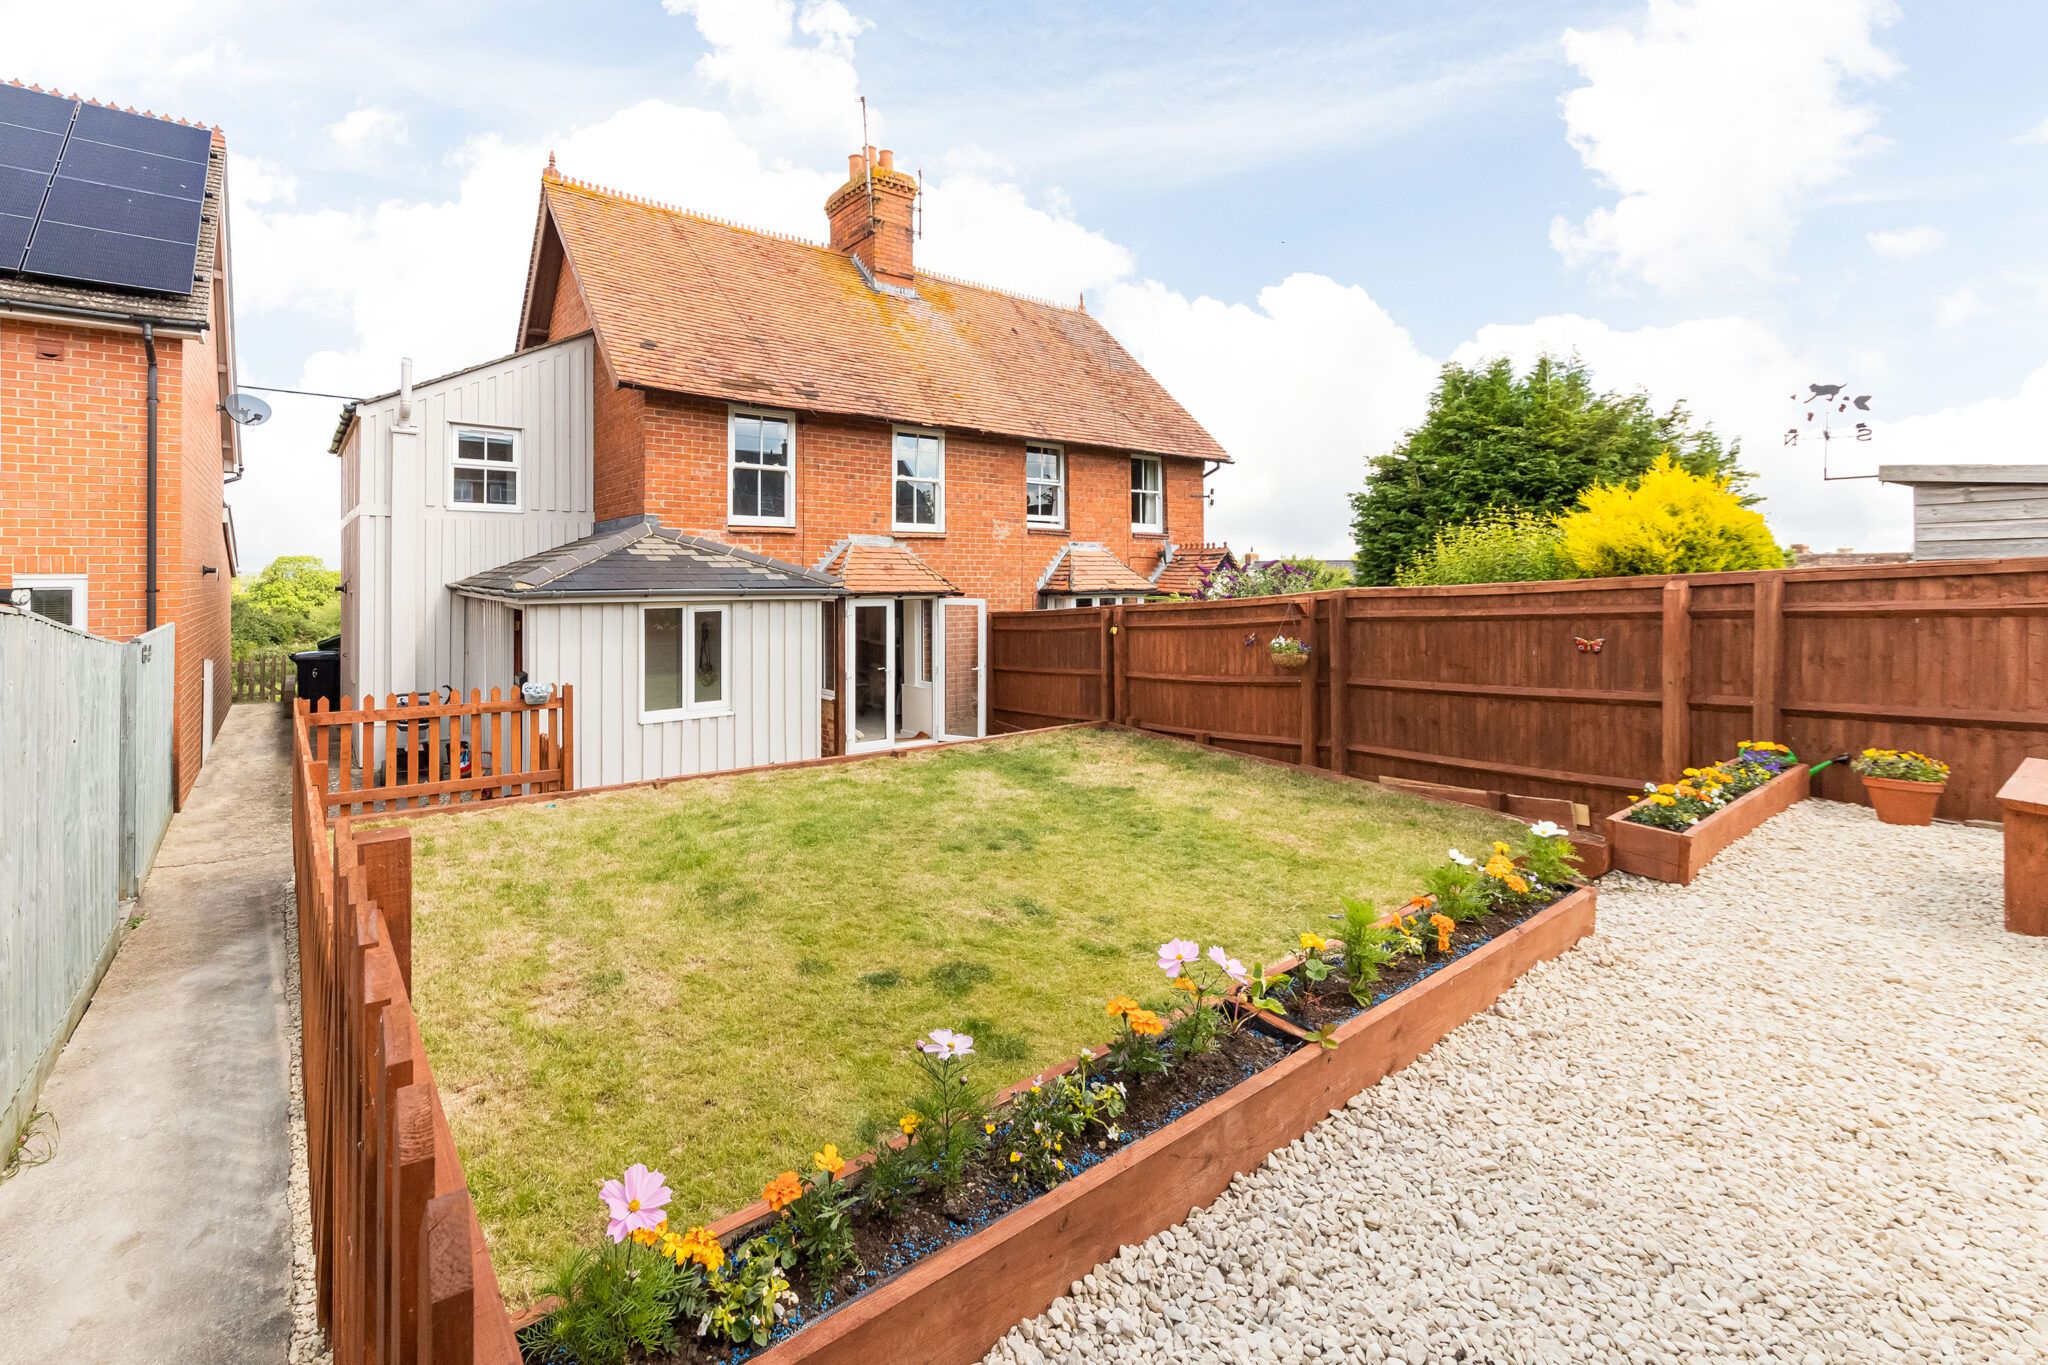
{"points": [[888, 159], [854, 165]]}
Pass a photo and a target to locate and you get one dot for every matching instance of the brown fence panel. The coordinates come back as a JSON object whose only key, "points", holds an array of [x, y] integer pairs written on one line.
{"points": [[1579, 690], [399, 754], [401, 1270], [1054, 670], [266, 677]]}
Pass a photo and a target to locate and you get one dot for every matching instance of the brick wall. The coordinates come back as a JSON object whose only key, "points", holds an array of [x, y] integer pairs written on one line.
{"points": [[73, 471], [844, 486]]}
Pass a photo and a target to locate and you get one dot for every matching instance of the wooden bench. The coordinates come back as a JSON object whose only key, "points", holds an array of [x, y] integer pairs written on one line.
{"points": [[2025, 800]]}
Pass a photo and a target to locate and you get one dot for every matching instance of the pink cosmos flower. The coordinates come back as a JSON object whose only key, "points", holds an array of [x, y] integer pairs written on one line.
{"points": [[945, 1044], [1232, 968], [635, 1203], [1175, 954]]}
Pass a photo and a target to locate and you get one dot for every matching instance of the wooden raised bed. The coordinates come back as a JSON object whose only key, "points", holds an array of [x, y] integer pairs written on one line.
{"points": [[1673, 855], [951, 1307]]}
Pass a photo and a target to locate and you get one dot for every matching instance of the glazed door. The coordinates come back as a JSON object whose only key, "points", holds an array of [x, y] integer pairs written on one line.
{"points": [[960, 648], [871, 674]]}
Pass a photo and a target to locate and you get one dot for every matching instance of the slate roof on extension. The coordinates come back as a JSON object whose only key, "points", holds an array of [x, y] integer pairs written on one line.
{"points": [[644, 560], [687, 304], [194, 310]]}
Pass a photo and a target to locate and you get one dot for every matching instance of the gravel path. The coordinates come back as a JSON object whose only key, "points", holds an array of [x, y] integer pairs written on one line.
{"points": [[1782, 1114]]}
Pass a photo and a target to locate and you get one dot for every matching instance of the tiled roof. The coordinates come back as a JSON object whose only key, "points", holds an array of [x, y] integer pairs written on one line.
{"points": [[644, 560], [1184, 573], [181, 310], [1085, 567], [883, 567], [688, 304]]}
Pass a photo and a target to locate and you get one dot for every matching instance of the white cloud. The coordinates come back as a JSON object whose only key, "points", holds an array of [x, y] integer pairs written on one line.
{"points": [[1734, 374], [1300, 390], [2002, 430], [368, 132], [2035, 136], [1902, 244], [982, 228], [791, 89], [1712, 120]]}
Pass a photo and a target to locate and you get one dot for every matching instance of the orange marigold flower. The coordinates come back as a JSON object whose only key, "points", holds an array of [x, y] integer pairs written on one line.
{"points": [[1185, 983], [1515, 884], [1443, 924], [783, 1190], [1145, 1023], [828, 1159], [1119, 1006]]}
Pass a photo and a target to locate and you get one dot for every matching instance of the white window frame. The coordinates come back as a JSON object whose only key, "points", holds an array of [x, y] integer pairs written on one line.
{"points": [[1058, 452], [938, 526], [690, 709], [456, 431], [75, 581], [733, 413], [1149, 528]]}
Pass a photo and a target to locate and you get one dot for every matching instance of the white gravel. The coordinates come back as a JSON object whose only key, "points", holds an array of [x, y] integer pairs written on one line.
{"points": [[1797, 1111]]}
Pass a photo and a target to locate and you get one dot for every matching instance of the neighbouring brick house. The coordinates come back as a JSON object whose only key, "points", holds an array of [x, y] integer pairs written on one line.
{"points": [[919, 448], [77, 354]]}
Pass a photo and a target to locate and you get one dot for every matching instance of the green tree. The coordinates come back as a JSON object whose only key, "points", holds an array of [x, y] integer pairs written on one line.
{"points": [[1670, 521], [1495, 439], [292, 604], [1501, 546]]}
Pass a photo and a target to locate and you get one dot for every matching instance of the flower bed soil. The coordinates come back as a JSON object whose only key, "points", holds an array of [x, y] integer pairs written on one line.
{"points": [[1678, 855], [929, 1223], [941, 1289]]}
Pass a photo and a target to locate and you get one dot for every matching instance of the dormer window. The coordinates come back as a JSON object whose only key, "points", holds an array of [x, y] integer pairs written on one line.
{"points": [[485, 470]]}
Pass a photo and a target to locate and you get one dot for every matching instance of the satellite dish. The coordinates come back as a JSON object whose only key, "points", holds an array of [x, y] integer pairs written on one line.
{"points": [[246, 409]]}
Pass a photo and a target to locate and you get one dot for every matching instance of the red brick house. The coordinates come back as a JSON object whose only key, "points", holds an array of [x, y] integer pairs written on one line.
{"points": [[110, 394], [917, 449]]}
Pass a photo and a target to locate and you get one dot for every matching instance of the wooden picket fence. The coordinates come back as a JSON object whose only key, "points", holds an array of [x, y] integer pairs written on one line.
{"points": [[271, 676], [402, 1273], [405, 754]]}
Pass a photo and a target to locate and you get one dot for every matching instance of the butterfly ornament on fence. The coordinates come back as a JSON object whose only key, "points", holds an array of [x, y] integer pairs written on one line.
{"points": [[1590, 646]]}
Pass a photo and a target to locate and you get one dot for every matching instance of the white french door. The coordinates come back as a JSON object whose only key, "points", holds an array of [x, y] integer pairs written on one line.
{"points": [[870, 673], [959, 678]]}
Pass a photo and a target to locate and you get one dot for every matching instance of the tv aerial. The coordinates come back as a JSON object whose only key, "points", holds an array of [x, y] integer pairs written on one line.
{"points": [[245, 409], [1818, 410]]}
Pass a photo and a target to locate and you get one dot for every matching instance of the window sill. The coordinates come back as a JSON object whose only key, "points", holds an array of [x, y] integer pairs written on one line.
{"points": [[662, 717], [1144, 533], [923, 532], [1044, 528], [787, 528], [454, 506]]}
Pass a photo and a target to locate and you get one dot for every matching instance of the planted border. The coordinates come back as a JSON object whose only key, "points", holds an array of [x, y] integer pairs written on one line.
{"points": [[955, 1304], [1670, 855]]}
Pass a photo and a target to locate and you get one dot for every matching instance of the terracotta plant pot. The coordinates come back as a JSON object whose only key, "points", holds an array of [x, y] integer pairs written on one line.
{"points": [[1677, 855], [1899, 802]]}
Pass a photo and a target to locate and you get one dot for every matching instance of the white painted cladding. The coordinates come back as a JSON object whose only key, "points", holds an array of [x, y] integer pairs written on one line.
{"points": [[773, 669], [403, 541]]}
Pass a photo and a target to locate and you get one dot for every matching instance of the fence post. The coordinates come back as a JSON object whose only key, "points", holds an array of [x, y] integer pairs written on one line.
{"points": [[447, 1316], [568, 737], [1308, 685], [1677, 673], [1120, 669], [1767, 635], [387, 875], [1104, 644], [1339, 650]]}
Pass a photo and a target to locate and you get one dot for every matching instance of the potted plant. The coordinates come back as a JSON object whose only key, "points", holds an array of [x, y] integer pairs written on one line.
{"points": [[1289, 652], [1676, 828], [1903, 785]]}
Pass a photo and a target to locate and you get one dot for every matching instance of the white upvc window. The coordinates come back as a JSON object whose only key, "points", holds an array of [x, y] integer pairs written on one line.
{"points": [[920, 493], [761, 460], [1045, 485], [483, 469], [683, 662], [1148, 494], [57, 596]]}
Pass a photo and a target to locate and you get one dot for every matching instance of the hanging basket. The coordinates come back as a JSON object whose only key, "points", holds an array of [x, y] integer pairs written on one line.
{"points": [[1288, 660]]}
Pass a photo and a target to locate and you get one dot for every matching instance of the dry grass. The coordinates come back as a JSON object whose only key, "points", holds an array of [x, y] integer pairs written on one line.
{"points": [[719, 976]]}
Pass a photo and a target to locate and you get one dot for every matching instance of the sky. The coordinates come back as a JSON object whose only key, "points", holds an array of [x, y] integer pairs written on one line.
{"points": [[1293, 214]]}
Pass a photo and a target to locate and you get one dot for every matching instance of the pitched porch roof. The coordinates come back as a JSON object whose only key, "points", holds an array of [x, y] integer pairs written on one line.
{"points": [[883, 567], [1085, 567], [644, 559], [1183, 572]]}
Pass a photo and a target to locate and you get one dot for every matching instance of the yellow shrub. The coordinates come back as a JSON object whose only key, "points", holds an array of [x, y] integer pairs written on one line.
{"points": [[1669, 522]]}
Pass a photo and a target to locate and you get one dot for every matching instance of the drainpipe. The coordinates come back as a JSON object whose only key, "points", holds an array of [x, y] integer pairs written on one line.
{"points": [[149, 553]]}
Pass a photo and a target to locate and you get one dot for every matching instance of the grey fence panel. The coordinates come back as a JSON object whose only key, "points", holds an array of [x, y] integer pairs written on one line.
{"points": [[149, 678], [63, 746]]}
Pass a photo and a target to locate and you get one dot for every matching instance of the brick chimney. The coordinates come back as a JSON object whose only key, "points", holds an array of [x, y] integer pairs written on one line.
{"points": [[878, 237]]}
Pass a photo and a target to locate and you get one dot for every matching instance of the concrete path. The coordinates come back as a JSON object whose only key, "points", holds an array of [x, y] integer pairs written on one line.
{"points": [[161, 1230]]}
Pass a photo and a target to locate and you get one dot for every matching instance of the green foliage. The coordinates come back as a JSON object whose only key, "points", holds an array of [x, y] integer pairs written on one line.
{"points": [[616, 1300], [949, 1106], [1368, 947], [1670, 521], [1459, 891], [1503, 545], [1136, 1054], [744, 1299], [1195, 1031], [822, 1220], [1044, 1129], [1906, 765], [1551, 859], [1273, 577], [293, 604], [1494, 439], [892, 1175]]}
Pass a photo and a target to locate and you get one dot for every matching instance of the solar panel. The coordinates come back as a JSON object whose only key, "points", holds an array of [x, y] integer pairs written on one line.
{"points": [[112, 198]]}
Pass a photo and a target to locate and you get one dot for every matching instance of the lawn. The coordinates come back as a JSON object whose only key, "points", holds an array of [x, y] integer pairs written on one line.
{"points": [[718, 976]]}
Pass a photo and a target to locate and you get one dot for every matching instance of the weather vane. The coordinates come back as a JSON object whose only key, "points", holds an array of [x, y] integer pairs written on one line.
{"points": [[1826, 402]]}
